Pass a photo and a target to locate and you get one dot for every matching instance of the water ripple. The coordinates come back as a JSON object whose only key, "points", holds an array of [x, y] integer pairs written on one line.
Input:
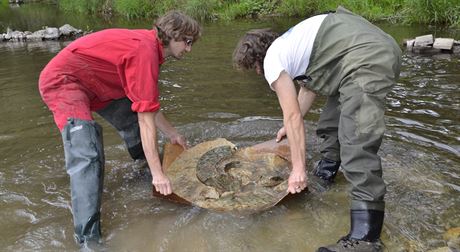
{"points": [[429, 141], [59, 202], [27, 214], [10, 197], [182, 220]]}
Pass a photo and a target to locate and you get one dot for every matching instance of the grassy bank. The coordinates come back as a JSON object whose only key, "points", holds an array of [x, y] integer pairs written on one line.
{"points": [[437, 12]]}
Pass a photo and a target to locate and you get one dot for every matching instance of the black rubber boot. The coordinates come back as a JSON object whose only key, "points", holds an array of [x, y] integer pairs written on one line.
{"points": [[84, 156], [366, 226], [327, 169], [119, 114]]}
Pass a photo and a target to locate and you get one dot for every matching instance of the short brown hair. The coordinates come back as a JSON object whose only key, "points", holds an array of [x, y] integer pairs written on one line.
{"points": [[176, 25], [252, 47]]}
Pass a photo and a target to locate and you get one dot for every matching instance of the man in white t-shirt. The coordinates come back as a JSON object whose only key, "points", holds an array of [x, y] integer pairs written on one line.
{"points": [[355, 64]]}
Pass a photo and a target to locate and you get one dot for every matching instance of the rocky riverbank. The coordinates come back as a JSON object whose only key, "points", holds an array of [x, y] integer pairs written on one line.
{"points": [[48, 33], [427, 44]]}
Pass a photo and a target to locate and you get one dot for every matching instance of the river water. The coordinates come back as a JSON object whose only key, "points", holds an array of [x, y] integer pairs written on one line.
{"points": [[206, 98]]}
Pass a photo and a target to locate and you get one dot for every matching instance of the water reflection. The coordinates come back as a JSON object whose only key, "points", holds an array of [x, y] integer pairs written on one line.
{"points": [[207, 99], [50, 46]]}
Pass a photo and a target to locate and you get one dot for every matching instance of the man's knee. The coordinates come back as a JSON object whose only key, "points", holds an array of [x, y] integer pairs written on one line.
{"points": [[83, 144]]}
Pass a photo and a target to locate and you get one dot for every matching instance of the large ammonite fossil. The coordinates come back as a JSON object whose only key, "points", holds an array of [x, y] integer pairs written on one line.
{"points": [[218, 176]]}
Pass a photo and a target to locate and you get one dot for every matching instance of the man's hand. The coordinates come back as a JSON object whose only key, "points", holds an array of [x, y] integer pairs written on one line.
{"points": [[297, 181], [281, 133], [162, 184], [180, 140]]}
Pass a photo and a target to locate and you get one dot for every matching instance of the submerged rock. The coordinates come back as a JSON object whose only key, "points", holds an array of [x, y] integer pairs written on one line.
{"points": [[218, 176], [452, 238]]}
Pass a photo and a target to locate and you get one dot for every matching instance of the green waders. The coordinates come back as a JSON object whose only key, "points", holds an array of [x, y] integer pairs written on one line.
{"points": [[328, 128], [84, 155], [355, 64], [84, 158]]}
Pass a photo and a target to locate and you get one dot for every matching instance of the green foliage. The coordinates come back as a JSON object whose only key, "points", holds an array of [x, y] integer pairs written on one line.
{"points": [[232, 11], [163, 6], [202, 10], [409, 11], [133, 8], [371, 9], [433, 11], [248, 8], [299, 8], [3, 4], [82, 6], [453, 16]]}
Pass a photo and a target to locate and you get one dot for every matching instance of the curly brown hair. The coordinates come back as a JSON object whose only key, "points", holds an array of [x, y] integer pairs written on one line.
{"points": [[252, 47], [178, 26]]}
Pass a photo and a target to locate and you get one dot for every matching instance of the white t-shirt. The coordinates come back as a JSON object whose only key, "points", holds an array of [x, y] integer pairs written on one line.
{"points": [[291, 51]]}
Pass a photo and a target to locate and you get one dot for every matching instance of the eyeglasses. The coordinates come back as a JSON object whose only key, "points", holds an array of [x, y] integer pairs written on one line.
{"points": [[188, 42]]}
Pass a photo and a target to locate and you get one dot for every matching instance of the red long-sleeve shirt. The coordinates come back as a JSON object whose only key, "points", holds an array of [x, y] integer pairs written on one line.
{"points": [[109, 64]]}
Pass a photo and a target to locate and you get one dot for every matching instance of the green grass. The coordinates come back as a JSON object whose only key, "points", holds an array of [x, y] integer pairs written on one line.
{"points": [[433, 11], [247, 9], [203, 10], [82, 6], [297, 8], [133, 9], [442, 12], [370, 9]]}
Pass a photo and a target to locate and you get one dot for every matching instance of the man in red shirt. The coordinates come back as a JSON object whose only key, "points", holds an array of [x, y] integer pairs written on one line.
{"points": [[113, 72]]}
